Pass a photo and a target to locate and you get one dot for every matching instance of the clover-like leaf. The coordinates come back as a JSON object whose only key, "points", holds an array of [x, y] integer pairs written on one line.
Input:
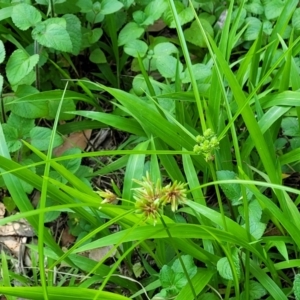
{"points": [[25, 15], [136, 48], [53, 33], [224, 268], [110, 6], [2, 52], [296, 286], [129, 32], [19, 65], [166, 66], [74, 30], [194, 35], [40, 138]]}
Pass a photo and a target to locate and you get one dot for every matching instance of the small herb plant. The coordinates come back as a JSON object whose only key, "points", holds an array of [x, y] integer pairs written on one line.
{"points": [[207, 94]]}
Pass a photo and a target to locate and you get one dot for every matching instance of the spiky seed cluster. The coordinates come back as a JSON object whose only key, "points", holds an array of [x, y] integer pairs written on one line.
{"points": [[108, 196], [206, 144], [174, 194], [152, 197]]}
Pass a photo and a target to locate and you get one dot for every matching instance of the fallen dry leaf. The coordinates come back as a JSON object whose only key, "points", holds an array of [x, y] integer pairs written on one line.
{"points": [[2, 210], [99, 253], [67, 238], [157, 26], [18, 228], [13, 237], [75, 139], [13, 243]]}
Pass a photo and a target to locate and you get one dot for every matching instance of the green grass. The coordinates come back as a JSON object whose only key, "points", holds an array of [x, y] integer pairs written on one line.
{"points": [[234, 196]]}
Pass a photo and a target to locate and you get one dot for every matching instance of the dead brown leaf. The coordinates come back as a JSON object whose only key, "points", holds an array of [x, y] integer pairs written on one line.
{"points": [[67, 238], [18, 228], [99, 253], [2, 210], [157, 26], [75, 139]]}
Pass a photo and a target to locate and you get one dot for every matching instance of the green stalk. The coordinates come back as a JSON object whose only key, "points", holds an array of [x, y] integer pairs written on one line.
{"points": [[43, 200], [187, 58], [179, 257], [220, 203]]}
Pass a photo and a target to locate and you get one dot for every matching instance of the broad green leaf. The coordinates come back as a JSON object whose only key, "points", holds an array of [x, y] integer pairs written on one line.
{"points": [[13, 140], [72, 165], [42, 109], [95, 15], [136, 48], [110, 6], [97, 56], [273, 8], [129, 32], [127, 3], [255, 7], [23, 125], [296, 19], [255, 210], [166, 66], [138, 269], [89, 37], [224, 267], [51, 215], [139, 17], [85, 5], [290, 126], [166, 276], [40, 138], [156, 8], [53, 33], [95, 35], [25, 16], [2, 52], [20, 64], [253, 28], [257, 291], [232, 191], [200, 72], [180, 280], [194, 35], [267, 27], [257, 228], [296, 286], [188, 263], [74, 30], [164, 49], [185, 14]]}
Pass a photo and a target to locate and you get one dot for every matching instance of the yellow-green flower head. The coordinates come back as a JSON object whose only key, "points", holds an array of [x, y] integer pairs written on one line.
{"points": [[208, 133], [108, 196], [149, 209], [197, 149], [200, 139], [174, 194]]}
